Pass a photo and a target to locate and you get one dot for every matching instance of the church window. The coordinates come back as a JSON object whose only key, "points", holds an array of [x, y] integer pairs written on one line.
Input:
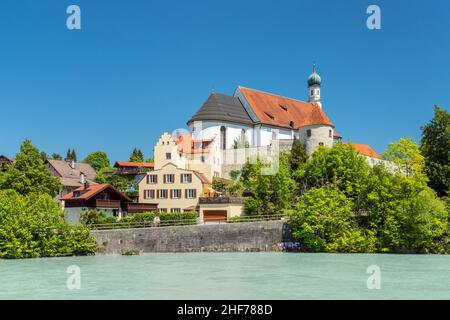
{"points": [[308, 132], [329, 133], [223, 137], [320, 143]]}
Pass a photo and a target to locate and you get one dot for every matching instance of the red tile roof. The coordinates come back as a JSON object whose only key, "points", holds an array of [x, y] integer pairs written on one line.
{"points": [[364, 149], [187, 145], [285, 112], [202, 177], [134, 164], [336, 134], [92, 191]]}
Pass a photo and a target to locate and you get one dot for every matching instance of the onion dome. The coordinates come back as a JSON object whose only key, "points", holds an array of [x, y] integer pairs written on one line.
{"points": [[314, 79]]}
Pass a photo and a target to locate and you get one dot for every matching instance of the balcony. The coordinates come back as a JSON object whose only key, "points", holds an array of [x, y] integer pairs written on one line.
{"points": [[107, 204], [134, 207], [221, 200]]}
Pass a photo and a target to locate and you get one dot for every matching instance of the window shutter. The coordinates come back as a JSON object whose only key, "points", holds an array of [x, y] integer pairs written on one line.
{"points": [[145, 194], [190, 178], [148, 179], [195, 193]]}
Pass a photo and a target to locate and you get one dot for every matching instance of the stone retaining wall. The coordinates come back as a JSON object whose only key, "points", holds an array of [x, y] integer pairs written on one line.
{"points": [[227, 237]]}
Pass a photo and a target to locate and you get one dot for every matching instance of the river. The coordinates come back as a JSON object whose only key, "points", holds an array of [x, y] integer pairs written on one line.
{"points": [[229, 276]]}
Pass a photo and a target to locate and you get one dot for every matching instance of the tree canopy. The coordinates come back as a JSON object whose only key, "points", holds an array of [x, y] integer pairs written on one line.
{"points": [[435, 147], [29, 174], [137, 156], [98, 160], [32, 226]]}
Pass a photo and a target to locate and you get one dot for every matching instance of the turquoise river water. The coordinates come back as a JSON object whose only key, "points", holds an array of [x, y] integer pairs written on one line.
{"points": [[228, 276]]}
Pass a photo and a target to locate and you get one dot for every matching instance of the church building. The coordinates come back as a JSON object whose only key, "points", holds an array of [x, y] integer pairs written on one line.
{"points": [[258, 118]]}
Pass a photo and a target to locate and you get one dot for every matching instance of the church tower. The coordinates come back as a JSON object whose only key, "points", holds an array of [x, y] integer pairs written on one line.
{"points": [[314, 82]]}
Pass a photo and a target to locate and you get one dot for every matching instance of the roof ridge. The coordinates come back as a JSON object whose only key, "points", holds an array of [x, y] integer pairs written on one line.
{"points": [[276, 95]]}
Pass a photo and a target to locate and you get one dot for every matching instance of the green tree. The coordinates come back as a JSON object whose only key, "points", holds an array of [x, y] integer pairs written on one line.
{"points": [[406, 155], [339, 166], [136, 156], [271, 192], [150, 159], [427, 222], [297, 156], [435, 147], [29, 174], [71, 155], [98, 160], [323, 220], [110, 176], [32, 226], [56, 156]]}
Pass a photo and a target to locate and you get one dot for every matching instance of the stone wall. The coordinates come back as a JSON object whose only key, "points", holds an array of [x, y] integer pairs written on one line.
{"points": [[227, 237]]}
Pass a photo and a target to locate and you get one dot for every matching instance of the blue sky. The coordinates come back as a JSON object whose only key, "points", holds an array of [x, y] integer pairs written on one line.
{"points": [[139, 68]]}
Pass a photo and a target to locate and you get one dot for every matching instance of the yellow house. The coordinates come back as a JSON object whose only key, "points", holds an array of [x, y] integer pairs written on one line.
{"points": [[174, 189], [201, 155]]}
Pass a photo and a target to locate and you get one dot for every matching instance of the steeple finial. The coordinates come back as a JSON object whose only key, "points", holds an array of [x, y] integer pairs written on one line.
{"points": [[314, 67]]}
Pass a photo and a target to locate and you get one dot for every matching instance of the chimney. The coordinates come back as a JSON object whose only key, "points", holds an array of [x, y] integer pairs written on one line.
{"points": [[82, 178], [72, 164], [86, 185]]}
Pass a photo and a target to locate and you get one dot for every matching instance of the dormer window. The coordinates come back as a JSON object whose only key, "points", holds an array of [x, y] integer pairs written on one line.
{"points": [[270, 115], [282, 106]]}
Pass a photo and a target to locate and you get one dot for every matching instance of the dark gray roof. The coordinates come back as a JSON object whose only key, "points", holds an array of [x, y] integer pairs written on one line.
{"points": [[219, 107]]}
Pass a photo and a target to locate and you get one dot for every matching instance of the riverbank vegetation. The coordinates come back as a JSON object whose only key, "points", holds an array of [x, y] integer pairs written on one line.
{"points": [[337, 202], [31, 222]]}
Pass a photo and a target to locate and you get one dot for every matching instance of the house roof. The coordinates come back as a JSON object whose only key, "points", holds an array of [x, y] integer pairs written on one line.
{"points": [[364, 149], [336, 134], [70, 177], [6, 158], [188, 145], [133, 164], [281, 111], [220, 107], [202, 177], [64, 169], [93, 190]]}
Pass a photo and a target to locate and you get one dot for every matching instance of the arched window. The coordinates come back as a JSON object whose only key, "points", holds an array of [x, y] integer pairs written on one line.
{"points": [[223, 137]]}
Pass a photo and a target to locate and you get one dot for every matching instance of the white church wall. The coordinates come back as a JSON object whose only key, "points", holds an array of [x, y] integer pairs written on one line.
{"points": [[211, 130], [268, 133]]}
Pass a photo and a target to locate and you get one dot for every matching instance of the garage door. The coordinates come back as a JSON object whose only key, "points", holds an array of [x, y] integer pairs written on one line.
{"points": [[214, 215]]}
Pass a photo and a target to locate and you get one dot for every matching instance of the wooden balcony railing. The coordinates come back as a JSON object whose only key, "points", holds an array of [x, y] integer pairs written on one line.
{"points": [[110, 204]]}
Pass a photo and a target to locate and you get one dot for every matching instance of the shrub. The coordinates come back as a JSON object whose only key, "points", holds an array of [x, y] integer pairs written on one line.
{"points": [[33, 226]]}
